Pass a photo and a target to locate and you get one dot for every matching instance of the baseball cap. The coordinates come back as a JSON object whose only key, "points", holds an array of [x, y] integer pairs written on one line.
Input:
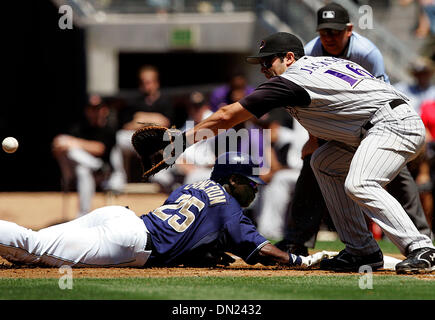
{"points": [[278, 43], [235, 163], [332, 16]]}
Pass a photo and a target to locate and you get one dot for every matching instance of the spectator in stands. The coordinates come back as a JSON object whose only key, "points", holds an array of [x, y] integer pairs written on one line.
{"points": [[425, 28], [149, 105], [236, 88], [83, 153], [426, 175], [421, 89], [427, 113]]}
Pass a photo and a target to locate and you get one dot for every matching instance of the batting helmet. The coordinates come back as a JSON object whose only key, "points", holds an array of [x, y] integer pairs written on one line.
{"points": [[235, 163]]}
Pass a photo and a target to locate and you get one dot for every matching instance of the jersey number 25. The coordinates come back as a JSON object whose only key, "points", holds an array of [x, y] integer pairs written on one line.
{"points": [[182, 206]]}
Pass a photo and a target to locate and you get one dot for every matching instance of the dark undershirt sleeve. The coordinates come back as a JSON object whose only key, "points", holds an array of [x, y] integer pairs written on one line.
{"points": [[277, 92]]}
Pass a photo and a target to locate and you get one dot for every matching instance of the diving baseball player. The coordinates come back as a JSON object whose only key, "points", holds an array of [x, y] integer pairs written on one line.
{"points": [[196, 225], [371, 131]]}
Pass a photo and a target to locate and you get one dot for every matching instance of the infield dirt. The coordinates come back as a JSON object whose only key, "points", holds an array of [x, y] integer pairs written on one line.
{"points": [[38, 210]]}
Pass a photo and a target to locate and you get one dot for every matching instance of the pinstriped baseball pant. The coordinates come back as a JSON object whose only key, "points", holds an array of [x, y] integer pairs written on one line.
{"points": [[352, 180]]}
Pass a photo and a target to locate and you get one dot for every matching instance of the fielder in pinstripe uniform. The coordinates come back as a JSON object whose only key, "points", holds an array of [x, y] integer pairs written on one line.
{"points": [[371, 134], [336, 38]]}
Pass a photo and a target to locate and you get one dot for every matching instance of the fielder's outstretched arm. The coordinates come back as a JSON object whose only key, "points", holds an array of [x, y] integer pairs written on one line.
{"points": [[157, 152], [224, 118]]}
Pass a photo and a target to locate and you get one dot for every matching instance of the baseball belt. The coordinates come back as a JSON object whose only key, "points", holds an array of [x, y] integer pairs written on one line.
{"points": [[393, 104], [149, 245]]}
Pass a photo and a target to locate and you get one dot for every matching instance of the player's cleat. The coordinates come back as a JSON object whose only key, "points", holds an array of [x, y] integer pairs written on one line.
{"points": [[418, 261], [296, 249], [346, 262]]}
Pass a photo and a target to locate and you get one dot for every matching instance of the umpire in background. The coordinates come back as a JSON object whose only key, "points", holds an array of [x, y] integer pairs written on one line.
{"points": [[308, 207]]}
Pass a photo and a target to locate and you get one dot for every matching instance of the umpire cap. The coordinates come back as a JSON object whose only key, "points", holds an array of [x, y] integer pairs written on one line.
{"points": [[279, 42], [235, 163], [332, 16]]}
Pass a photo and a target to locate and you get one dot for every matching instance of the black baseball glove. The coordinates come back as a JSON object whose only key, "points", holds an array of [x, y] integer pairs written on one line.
{"points": [[158, 147]]}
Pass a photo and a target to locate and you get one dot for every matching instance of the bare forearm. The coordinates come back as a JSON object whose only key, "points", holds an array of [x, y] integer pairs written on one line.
{"points": [[225, 118], [269, 251]]}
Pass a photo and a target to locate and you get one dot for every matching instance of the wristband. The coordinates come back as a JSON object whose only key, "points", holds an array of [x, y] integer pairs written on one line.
{"points": [[294, 260]]}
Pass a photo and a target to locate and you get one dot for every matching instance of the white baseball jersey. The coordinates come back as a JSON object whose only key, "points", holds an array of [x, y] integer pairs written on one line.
{"points": [[331, 97], [344, 96]]}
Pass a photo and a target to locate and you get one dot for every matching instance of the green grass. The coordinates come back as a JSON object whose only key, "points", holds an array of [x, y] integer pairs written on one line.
{"points": [[304, 287], [221, 288]]}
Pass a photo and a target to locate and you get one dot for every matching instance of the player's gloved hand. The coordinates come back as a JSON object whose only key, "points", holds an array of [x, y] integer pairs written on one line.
{"points": [[311, 260], [158, 147]]}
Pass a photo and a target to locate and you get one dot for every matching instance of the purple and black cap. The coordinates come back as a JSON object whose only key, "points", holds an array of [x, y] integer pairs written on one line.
{"points": [[280, 42]]}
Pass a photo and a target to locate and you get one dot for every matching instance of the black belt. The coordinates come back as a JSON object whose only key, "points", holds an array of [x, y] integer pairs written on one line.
{"points": [[393, 104], [149, 245]]}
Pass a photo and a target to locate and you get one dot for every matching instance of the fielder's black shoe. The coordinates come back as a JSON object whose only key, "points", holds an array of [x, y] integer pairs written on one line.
{"points": [[296, 249], [418, 261], [346, 262]]}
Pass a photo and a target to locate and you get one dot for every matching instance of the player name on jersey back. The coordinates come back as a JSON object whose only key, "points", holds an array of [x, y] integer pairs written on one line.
{"points": [[314, 65], [344, 96], [213, 190]]}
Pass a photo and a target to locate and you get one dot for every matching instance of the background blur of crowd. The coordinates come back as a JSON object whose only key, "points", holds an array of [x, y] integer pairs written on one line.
{"points": [[49, 109]]}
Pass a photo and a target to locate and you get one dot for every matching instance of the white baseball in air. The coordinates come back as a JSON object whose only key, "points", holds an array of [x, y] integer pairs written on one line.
{"points": [[10, 144]]}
